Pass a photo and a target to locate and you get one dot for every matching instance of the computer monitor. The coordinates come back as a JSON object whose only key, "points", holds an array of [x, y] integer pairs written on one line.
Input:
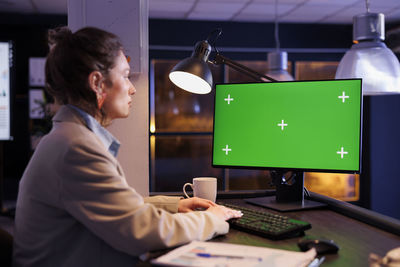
{"points": [[5, 89], [294, 126]]}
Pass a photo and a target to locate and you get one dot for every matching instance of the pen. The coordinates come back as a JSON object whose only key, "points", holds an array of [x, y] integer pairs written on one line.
{"points": [[316, 262], [208, 255]]}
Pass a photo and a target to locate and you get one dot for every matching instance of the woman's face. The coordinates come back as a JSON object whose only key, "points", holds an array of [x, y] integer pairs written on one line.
{"points": [[119, 90]]}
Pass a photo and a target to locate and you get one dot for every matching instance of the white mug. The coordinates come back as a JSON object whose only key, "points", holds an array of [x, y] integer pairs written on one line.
{"points": [[203, 187]]}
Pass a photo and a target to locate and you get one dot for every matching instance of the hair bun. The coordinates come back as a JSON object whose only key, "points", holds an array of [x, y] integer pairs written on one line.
{"points": [[58, 35]]}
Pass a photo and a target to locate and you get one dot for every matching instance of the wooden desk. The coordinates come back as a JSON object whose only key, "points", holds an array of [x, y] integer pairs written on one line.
{"points": [[355, 238]]}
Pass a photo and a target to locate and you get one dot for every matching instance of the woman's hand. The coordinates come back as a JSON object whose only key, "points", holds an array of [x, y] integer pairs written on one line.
{"points": [[225, 213], [193, 203]]}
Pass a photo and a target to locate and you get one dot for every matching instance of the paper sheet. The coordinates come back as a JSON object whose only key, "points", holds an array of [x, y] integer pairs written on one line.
{"points": [[218, 254]]}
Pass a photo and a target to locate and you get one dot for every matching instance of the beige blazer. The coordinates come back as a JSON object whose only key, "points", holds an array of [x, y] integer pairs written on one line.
{"points": [[75, 208]]}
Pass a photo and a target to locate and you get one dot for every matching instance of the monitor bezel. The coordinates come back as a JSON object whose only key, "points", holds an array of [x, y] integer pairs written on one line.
{"points": [[292, 169]]}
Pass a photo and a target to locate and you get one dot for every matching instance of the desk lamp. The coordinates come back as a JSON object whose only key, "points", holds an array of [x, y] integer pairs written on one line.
{"points": [[369, 58], [194, 75]]}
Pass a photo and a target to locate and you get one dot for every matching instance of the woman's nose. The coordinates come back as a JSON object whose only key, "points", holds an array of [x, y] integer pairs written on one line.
{"points": [[132, 90]]}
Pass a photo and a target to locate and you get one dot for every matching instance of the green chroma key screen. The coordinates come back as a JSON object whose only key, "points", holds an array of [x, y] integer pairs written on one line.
{"points": [[306, 125]]}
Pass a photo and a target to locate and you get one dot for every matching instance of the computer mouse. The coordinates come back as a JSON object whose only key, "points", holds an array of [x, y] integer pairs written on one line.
{"points": [[322, 246]]}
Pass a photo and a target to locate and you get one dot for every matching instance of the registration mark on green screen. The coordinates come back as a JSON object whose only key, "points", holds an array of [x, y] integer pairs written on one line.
{"points": [[313, 125]]}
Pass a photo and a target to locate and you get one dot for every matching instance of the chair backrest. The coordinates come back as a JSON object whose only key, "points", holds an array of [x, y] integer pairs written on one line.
{"points": [[6, 247]]}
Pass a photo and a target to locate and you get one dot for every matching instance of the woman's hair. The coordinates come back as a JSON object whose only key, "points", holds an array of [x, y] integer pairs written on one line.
{"points": [[72, 57]]}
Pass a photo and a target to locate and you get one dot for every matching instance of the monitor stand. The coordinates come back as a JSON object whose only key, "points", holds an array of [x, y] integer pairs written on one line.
{"points": [[289, 193]]}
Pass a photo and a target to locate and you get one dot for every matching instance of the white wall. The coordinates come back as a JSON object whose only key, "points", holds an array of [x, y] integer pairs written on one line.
{"points": [[129, 20]]}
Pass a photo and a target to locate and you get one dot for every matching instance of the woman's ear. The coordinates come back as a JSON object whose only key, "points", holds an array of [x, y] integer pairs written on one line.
{"points": [[96, 83]]}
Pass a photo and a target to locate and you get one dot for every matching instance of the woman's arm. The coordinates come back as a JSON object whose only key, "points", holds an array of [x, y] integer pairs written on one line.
{"points": [[167, 203], [95, 192]]}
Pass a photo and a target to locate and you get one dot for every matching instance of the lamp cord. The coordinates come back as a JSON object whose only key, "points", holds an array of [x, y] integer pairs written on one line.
{"points": [[277, 43], [216, 33], [306, 192], [367, 5]]}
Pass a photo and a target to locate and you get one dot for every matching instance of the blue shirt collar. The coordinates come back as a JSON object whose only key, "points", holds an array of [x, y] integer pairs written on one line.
{"points": [[108, 140]]}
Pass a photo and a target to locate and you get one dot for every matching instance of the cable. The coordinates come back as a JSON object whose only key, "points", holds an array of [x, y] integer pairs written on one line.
{"points": [[217, 32], [277, 43], [306, 192]]}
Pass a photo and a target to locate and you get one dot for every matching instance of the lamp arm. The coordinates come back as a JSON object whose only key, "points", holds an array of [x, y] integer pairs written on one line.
{"points": [[220, 59]]}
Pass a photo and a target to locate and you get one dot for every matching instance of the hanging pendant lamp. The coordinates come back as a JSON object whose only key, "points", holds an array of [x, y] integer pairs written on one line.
{"points": [[369, 58], [277, 60]]}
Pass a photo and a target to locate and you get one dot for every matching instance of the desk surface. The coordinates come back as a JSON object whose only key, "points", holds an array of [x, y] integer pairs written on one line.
{"points": [[355, 238]]}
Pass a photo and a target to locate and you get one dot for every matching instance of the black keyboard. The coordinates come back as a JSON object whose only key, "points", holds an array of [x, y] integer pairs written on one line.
{"points": [[267, 224]]}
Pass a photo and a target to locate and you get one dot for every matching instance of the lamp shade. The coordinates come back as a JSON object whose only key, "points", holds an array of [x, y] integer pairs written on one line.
{"points": [[370, 59], [280, 75], [277, 66], [193, 74], [375, 64]]}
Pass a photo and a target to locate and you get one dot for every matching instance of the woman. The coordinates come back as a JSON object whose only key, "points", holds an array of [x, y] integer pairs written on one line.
{"points": [[74, 206]]}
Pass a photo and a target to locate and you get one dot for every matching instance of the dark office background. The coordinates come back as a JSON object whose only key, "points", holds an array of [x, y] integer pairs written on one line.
{"points": [[379, 180]]}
